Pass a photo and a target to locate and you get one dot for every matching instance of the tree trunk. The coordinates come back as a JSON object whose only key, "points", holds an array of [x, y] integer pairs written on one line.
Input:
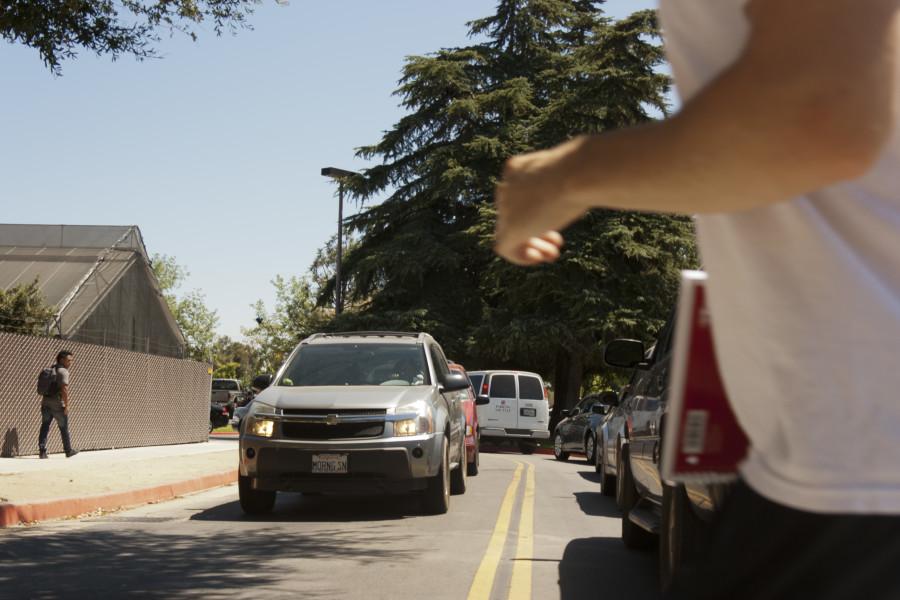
{"points": [[567, 380]]}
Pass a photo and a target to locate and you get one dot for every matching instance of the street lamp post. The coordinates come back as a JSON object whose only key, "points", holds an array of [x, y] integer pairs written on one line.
{"points": [[339, 175]]}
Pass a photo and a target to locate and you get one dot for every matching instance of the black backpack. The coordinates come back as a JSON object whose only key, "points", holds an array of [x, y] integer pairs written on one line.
{"points": [[47, 384]]}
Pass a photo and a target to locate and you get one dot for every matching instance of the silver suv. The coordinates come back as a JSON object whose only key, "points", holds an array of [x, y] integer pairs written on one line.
{"points": [[357, 412]]}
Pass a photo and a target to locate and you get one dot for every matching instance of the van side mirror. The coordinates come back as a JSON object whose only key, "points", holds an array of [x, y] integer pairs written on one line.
{"points": [[481, 400], [628, 354]]}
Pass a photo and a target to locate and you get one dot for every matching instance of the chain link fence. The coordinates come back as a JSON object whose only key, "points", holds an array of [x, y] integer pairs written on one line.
{"points": [[117, 398]]}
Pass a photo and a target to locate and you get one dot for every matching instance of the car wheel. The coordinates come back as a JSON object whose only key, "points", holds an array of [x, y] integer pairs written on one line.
{"points": [[473, 466], [682, 534], [634, 536], [254, 502], [607, 481], [558, 451], [436, 500], [589, 449], [626, 491], [458, 475], [527, 447]]}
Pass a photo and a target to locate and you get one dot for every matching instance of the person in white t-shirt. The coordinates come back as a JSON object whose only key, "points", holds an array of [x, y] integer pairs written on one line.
{"points": [[786, 150]]}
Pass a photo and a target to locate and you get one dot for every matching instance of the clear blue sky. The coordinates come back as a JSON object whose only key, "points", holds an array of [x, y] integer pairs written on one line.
{"points": [[214, 151]]}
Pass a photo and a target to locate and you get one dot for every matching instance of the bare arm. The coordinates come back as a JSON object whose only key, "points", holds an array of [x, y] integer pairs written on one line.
{"points": [[64, 394], [810, 102]]}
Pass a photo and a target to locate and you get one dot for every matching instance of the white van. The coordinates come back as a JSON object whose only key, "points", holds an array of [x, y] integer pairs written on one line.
{"points": [[512, 406]]}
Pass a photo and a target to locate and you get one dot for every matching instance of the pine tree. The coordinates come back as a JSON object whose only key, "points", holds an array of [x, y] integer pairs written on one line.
{"points": [[542, 72]]}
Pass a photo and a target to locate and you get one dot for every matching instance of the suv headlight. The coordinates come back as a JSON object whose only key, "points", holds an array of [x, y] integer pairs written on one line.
{"points": [[424, 423], [260, 426]]}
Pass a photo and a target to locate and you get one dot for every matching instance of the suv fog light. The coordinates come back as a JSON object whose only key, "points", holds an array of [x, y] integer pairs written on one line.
{"points": [[262, 427]]}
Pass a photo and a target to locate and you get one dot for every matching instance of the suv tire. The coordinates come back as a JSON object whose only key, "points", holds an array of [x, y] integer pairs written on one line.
{"points": [[254, 502], [681, 536], [633, 536], [607, 481], [458, 475], [558, 452], [436, 498], [472, 467]]}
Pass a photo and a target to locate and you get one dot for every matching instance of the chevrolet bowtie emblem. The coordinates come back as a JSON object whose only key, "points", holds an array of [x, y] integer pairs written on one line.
{"points": [[332, 419]]}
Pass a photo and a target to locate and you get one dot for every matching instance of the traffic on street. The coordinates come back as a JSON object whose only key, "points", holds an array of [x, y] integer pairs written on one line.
{"points": [[527, 527]]}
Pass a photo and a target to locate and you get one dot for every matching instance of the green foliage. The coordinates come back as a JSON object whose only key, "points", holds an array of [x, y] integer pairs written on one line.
{"points": [[24, 310], [546, 70], [294, 317], [235, 360], [57, 29], [197, 322]]}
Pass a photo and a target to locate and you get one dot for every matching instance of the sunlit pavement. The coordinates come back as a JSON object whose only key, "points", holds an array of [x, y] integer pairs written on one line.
{"points": [[528, 527]]}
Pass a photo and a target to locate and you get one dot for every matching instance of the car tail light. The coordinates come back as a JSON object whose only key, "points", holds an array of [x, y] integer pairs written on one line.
{"points": [[484, 388]]}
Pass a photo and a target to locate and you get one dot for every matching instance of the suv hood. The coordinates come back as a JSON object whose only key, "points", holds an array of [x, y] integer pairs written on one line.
{"points": [[344, 397]]}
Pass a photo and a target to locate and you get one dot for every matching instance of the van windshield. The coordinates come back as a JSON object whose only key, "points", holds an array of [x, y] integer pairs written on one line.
{"points": [[357, 364]]}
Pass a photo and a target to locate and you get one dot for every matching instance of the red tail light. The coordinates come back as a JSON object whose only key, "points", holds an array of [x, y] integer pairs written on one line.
{"points": [[484, 388]]}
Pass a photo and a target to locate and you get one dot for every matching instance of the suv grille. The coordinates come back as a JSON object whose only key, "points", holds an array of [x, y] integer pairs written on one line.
{"points": [[340, 431]]}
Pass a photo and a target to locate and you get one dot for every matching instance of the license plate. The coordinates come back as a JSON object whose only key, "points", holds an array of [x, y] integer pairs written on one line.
{"points": [[329, 463], [528, 412]]}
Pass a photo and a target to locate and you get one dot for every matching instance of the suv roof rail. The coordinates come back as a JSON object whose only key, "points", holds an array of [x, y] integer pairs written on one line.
{"points": [[412, 334]]}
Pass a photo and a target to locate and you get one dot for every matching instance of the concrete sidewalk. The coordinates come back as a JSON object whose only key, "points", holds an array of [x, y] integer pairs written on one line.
{"points": [[35, 490]]}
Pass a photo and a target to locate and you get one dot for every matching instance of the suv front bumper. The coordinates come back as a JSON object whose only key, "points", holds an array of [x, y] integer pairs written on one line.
{"points": [[388, 465]]}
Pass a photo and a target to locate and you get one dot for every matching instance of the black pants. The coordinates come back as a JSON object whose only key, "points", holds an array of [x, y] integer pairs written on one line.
{"points": [[52, 408], [763, 550]]}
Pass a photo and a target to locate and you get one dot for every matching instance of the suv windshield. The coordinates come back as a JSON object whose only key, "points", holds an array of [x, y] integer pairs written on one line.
{"points": [[357, 364]]}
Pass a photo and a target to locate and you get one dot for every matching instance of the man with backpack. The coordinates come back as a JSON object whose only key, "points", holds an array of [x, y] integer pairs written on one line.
{"points": [[53, 386]]}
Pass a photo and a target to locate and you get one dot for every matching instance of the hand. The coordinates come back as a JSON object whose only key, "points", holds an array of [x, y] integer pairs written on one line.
{"points": [[533, 204]]}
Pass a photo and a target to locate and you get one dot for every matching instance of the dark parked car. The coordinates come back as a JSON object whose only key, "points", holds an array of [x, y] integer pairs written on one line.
{"points": [[575, 433], [218, 416], [677, 515]]}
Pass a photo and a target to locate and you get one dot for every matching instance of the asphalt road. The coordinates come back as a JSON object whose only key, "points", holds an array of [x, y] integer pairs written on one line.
{"points": [[528, 527]]}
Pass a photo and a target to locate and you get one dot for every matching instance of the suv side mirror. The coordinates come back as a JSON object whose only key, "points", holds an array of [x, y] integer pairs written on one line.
{"points": [[454, 382], [628, 354], [609, 398], [482, 399], [261, 382]]}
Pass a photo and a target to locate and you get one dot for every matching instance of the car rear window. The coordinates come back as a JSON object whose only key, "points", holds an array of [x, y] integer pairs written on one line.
{"points": [[476, 382], [225, 384], [530, 388], [503, 386]]}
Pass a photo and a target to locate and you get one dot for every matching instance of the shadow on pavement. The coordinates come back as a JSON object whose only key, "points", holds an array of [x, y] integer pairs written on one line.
{"points": [[161, 561], [596, 504], [592, 476], [594, 568], [299, 508]]}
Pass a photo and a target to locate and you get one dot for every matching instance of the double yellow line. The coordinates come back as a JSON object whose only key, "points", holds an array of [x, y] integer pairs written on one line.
{"points": [[520, 584]]}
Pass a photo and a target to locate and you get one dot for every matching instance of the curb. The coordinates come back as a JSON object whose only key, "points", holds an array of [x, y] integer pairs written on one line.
{"points": [[14, 514]]}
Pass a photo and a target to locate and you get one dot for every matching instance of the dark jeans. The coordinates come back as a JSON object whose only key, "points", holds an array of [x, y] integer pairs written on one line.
{"points": [[763, 550], [52, 408]]}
